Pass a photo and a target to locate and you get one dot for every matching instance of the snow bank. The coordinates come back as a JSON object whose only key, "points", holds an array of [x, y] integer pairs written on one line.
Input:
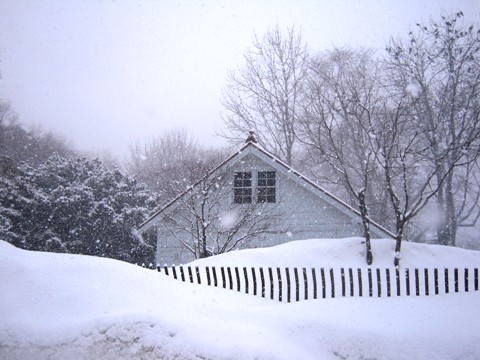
{"points": [[60, 306], [348, 252]]}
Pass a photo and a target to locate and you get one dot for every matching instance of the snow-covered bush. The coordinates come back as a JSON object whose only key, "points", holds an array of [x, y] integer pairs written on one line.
{"points": [[75, 205]]}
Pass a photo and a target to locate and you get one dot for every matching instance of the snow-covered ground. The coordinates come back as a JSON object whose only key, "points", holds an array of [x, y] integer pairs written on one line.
{"points": [[60, 306]]}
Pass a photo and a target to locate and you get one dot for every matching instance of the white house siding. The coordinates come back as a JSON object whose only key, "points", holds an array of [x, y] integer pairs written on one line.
{"points": [[304, 215], [170, 251]]}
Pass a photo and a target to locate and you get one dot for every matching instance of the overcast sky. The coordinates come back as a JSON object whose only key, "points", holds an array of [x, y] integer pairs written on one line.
{"points": [[108, 73]]}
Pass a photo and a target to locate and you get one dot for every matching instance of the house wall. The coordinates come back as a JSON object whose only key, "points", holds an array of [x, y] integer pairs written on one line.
{"points": [[300, 215]]}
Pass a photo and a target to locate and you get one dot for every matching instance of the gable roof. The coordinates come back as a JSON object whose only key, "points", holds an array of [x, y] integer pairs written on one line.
{"points": [[288, 171]]}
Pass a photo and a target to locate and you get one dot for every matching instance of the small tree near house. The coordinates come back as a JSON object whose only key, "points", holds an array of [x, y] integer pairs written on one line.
{"points": [[203, 225]]}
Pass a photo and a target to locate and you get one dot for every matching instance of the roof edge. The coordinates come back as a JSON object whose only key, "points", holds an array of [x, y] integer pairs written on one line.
{"points": [[209, 173]]}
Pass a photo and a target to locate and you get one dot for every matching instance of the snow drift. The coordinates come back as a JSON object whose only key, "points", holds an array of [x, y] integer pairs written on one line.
{"points": [[61, 306]]}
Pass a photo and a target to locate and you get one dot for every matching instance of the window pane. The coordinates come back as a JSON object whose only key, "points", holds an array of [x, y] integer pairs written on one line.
{"points": [[266, 190], [242, 187], [271, 199]]}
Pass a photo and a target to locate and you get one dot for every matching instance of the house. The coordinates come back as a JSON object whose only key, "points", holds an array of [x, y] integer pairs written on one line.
{"points": [[250, 200]]}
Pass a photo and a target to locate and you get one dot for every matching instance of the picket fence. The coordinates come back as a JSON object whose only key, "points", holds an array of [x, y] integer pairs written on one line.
{"points": [[295, 284]]}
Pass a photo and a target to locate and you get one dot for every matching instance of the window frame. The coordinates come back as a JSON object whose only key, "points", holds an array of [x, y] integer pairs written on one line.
{"points": [[266, 187], [242, 187]]}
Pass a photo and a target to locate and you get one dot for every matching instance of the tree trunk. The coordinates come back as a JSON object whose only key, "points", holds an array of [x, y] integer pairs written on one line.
{"points": [[202, 244], [366, 226], [450, 212], [398, 248], [447, 230]]}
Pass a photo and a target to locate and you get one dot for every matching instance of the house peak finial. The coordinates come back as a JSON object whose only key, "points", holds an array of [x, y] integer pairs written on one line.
{"points": [[251, 137]]}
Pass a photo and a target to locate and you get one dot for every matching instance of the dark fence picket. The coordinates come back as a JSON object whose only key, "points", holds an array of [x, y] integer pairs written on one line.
{"points": [[297, 284], [389, 290], [417, 283], [455, 274], [360, 287], [305, 282], [446, 282], [350, 276], [279, 276], [245, 275], [207, 270], [197, 271], [182, 274], [289, 287], [230, 279], [370, 283], [476, 279], [379, 283], [332, 283], [407, 280], [237, 276], [466, 280], [214, 273], [262, 280], [254, 279], [397, 278], [270, 277], [324, 286], [314, 279], [190, 275], [427, 287], [224, 279]]}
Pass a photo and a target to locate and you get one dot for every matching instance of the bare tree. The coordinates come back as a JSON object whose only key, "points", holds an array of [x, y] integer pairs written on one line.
{"points": [[264, 95], [401, 154], [169, 163], [440, 64], [205, 226], [343, 95]]}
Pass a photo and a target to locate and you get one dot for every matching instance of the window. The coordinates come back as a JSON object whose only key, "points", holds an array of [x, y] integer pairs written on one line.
{"points": [[266, 187], [242, 188]]}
